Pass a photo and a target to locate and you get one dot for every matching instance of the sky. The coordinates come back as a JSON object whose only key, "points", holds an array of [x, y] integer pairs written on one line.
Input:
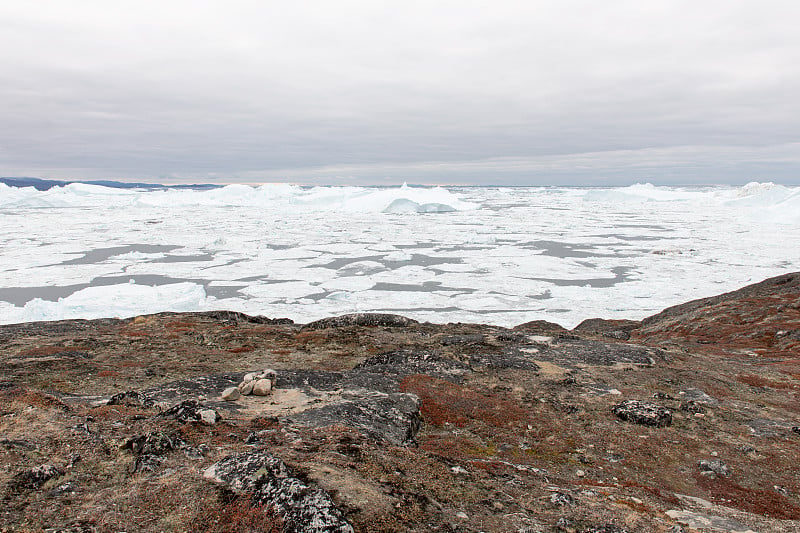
{"points": [[437, 92]]}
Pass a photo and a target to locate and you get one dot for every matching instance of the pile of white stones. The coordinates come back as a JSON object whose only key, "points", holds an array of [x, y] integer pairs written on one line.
{"points": [[255, 383]]}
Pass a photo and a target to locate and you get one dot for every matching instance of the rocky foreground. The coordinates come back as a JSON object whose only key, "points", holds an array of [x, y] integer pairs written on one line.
{"points": [[686, 421]]}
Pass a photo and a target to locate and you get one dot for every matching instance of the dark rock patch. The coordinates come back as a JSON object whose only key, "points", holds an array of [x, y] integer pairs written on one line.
{"points": [[269, 481], [510, 358], [589, 352], [156, 443], [615, 329], [765, 427], [132, 399], [362, 319], [392, 417], [317, 379], [644, 413], [149, 450], [191, 411], [541, 327], [209, 386], [714, 466], [34, 478], [405, 362], [456, 340]]}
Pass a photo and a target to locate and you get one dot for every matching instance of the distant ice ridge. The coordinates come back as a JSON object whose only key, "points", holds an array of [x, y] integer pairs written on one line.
{"points": [[763, 201], [396, 200]]}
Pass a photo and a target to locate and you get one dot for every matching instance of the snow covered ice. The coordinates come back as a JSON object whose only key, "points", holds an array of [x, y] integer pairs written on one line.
{"points": [[493, 255]]}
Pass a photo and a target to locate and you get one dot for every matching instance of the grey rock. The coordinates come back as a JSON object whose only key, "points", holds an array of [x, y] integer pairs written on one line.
{"points": [[644, 413], [509, 358], [17, 443], [393, 417], [699, 397], [246, 387], [616, 329], [146, 463], [149, 450], [705, 521], [765, 427], [207, 386], [231, 394], [561, 499], [34, 478], [154, 443], [606, 528], [714, 466], [406, 362], [262, 387], [191, 411], [131, 398], [362, 319], [574, 352], [474, 339], [209, 417], [269, 481]]}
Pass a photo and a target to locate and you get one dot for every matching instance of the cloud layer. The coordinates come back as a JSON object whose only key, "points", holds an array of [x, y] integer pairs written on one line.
{"points": [[372, 92]]}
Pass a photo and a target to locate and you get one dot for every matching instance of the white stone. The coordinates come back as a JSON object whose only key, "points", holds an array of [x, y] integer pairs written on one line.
{"points": [[246, 387], [208, 416], [231, 394], [250, 376], [270, 375], [262, 387]]}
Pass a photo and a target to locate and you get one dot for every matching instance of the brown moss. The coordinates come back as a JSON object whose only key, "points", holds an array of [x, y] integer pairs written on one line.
{"points": [[49, 350]]}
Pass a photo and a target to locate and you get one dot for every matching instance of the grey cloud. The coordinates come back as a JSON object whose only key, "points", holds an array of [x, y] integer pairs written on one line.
{"points": [[370, 91]]}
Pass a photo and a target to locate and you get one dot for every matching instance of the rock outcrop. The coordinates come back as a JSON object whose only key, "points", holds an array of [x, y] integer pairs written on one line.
{"points": [[267, 480]]}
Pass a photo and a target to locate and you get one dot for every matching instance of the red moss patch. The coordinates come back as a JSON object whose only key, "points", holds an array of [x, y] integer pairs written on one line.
{"points": [[236, 515], [134, 333], [444, 402], [241, 349], [764, 502], [180, 324], [32, 398], [760, 381]]}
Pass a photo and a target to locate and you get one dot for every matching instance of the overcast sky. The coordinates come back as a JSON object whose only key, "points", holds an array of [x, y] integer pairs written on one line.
{"points": [[527, 92]]}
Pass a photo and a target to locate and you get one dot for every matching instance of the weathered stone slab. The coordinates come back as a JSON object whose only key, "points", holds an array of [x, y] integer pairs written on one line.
{"points": [[269, 481]]}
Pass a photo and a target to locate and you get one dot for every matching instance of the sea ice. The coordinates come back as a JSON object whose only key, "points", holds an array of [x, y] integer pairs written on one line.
{"points": [[501, 255]]}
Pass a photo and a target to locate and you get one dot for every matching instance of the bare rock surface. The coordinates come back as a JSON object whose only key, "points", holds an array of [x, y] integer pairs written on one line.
{"points": [[380, 423], [267, 480]]}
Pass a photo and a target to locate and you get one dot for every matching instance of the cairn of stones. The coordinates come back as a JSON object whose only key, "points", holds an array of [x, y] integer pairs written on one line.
{"points": [[255, 383]]}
